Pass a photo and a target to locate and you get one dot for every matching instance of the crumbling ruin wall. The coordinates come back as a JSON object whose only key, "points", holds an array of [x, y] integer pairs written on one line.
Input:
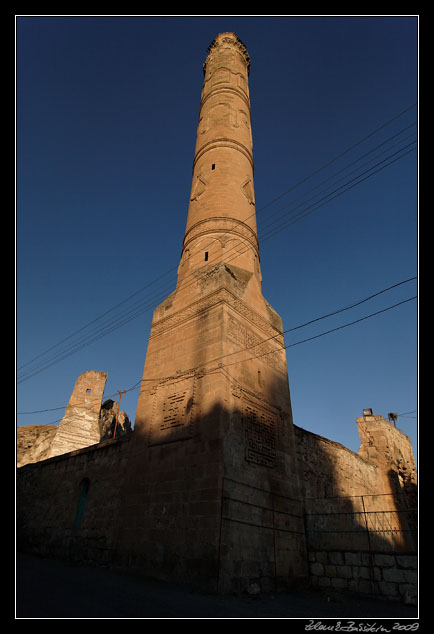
{"points": [[385, 445], [329, 470], [360, 513], [80, 425], [86, 422], [34, 443]]}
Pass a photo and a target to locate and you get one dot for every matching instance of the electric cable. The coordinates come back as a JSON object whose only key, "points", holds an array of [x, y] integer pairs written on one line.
{"points": [[327, 332], [120, 322], [350, 173], [358, 180], [257, 211], [123, 319], [161, 276], [283, 347]]}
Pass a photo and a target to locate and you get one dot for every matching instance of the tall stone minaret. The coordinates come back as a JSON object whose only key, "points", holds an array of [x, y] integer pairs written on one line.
{"points": [[221, 223], [215, 455]]}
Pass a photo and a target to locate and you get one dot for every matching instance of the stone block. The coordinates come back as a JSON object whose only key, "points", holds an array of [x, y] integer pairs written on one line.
{"points": [[395, 575], [366, 559], [388, 589], [411, 576], [336, 558], [344, 571], [407, 561], [365, 586], [409, 593], [339, 583], [361, 572], [384, 561], [376, 573], [330, 570], [317, 569], [353, 559]]}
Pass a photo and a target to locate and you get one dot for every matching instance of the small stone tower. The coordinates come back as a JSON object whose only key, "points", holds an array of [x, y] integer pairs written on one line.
{"points": [[215, 453], [390, 449], [80, 425]]}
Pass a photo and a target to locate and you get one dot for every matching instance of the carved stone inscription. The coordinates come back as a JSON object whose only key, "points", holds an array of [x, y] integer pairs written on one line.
{"points": [[260, 434], [247, 339], [173, 412]]}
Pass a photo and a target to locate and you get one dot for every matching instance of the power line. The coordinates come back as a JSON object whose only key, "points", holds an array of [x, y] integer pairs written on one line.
{"points": [[292, 345], [129, 315], [351, 323], [305, 179], [161, 276], [307, 323], [333, 160], [316, 319], [53, 409], [122, 320], [353, 172], [355, 181], [365, 155]]}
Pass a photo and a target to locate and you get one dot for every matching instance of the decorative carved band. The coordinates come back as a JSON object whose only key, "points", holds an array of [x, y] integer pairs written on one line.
{"points": [[235, 41], [222, 295], [264, 350], [223, 142], [222, 224], [225, 89]]}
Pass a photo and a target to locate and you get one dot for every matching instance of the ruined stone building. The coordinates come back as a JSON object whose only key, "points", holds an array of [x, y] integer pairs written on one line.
{"points": [[216, 487], [86, 422]]}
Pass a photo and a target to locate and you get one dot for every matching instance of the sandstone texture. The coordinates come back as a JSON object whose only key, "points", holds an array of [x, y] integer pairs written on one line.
{"points": [[34, 443], [80, 427]]}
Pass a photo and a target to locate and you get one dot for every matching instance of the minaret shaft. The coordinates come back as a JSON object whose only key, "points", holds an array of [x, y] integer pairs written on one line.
{"points": [[221, 222]]}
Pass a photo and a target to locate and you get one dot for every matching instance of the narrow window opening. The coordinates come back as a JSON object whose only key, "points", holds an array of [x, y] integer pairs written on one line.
{"points": [[259, 378], [213, 166], [206, 256], [81, 503], [88, 391]]}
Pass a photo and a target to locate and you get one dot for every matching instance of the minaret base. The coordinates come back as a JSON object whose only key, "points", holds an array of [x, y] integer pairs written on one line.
{"points": [[214, 462]]}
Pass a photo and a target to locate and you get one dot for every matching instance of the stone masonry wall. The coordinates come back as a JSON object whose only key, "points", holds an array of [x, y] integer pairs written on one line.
{"points": [[49, 497], [390, 576], [356, 521], [328, 469]]}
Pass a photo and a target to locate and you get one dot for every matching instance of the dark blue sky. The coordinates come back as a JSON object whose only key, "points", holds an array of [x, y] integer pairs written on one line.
{"points": [[107, 109]]}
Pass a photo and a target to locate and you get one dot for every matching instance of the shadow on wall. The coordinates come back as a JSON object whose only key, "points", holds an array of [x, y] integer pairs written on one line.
{"points": [[173, 506], [210, 502], [361, 535], [406, 501], [362, 501], [216, 508]]}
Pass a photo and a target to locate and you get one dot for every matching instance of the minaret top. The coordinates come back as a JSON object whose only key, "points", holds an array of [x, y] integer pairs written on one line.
{"points": [[228, 38], [221, 220]]}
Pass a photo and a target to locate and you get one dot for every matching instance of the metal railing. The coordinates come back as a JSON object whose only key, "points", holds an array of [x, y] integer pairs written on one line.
{"points": [[359, 523]]}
